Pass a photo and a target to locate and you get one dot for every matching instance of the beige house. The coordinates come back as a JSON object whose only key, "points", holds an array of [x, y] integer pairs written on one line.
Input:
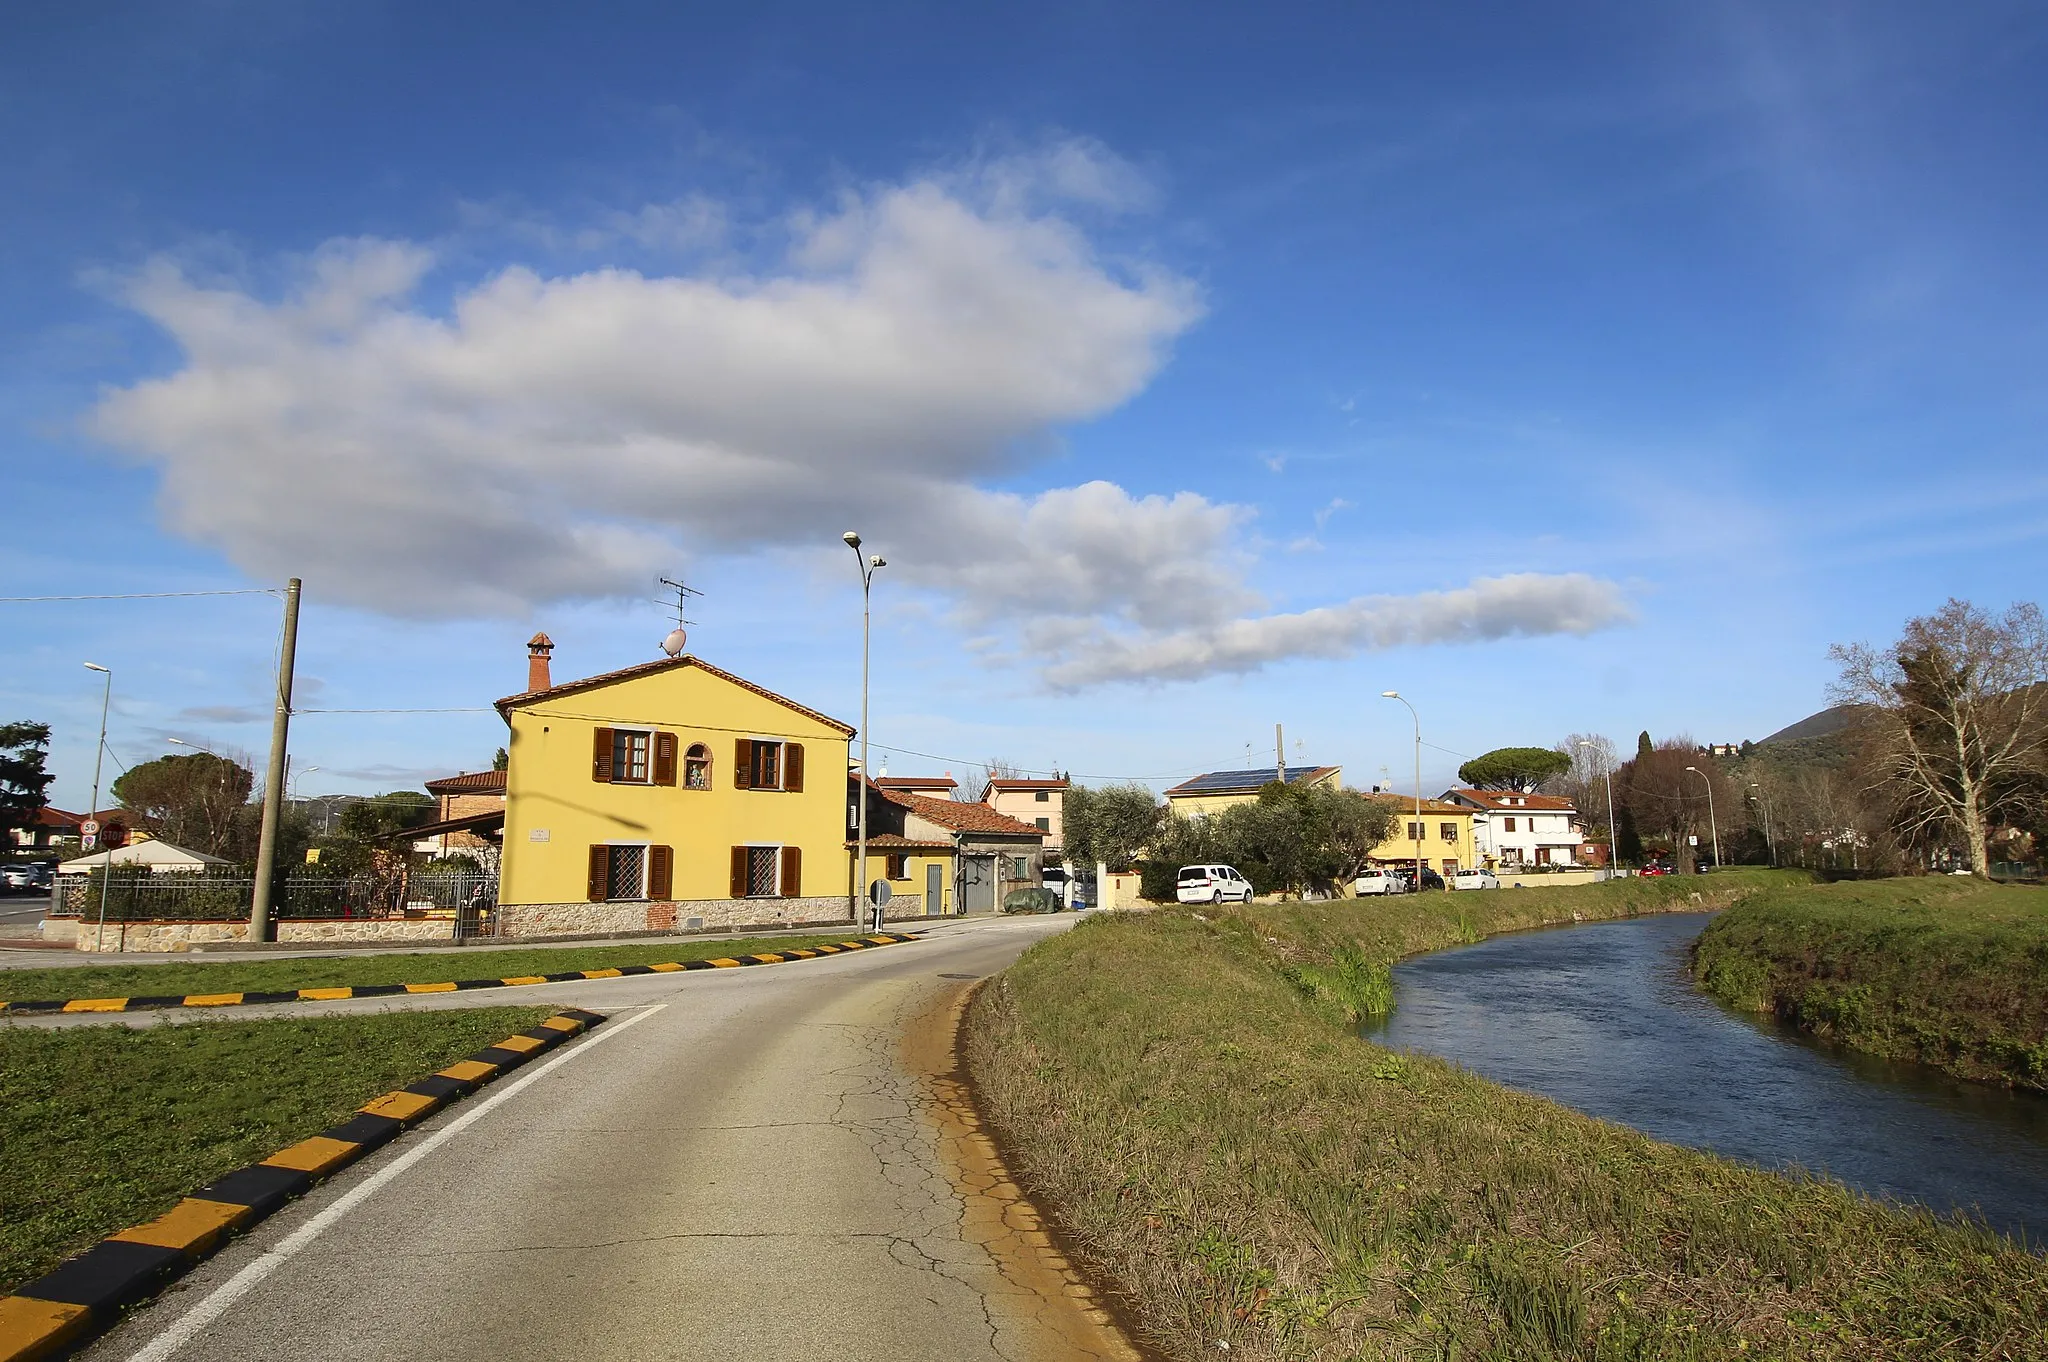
{"points": [[1218, 790], [1037, 802]]}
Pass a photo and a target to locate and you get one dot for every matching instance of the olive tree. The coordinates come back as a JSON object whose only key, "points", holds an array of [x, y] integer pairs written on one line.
{"points": [[1111, 826]]}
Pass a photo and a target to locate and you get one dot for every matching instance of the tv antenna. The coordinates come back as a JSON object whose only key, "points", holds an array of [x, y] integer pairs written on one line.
{"points": [[677, 637]]}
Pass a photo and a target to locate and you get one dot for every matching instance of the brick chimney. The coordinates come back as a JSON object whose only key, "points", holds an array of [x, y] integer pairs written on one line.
{"points": [[537, 649]]}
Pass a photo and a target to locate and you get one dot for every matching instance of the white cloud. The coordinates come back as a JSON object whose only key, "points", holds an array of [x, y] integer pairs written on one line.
{"points": [[555, 438], [1490, 608]]}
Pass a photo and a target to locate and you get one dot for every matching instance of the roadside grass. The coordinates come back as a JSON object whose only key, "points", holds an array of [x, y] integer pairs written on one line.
{"points": [[424, 967], [1251, 1174], [103, 1127], [1942, 970]]}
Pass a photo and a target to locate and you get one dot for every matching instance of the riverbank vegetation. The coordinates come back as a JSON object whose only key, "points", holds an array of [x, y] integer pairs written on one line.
{"points": [[1259, 1182], [1948, 971], [104, 1127]]}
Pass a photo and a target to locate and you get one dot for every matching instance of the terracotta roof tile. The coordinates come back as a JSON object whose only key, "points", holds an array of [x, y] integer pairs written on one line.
{"points": [[890, 841], [963, 817], [511, 702], [1504, 800], [469, 782]]}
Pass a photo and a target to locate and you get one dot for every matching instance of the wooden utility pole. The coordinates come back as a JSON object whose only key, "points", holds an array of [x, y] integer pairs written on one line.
{"points": [[273, 782]]}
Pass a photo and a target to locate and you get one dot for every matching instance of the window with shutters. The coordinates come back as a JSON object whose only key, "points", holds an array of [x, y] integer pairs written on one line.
{"points": [[1020, 867], [764, 872], [1044, 824], [630, 752], [1415, 832], [697, 767], [1507, 824], [898, 866], [1044, 796], [625, 872], [765, 764]]}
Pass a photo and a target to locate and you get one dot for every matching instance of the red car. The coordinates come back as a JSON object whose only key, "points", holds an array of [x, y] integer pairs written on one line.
{"points": [[1654, 869]]}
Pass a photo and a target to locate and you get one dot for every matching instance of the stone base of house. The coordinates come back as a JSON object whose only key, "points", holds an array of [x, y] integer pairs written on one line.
{"points": [[529, 920], [183, 936]]}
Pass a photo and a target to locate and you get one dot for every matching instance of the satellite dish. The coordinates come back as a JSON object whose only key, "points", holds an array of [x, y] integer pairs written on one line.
{"points": [[673, 644]]}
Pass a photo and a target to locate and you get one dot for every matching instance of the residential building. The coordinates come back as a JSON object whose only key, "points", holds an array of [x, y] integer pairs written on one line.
{"points": [[1037, 802], [669, 795], [952, 856], [1516, 830], [49, 830], [1219, 790], [1441, 835], [469, 814]]}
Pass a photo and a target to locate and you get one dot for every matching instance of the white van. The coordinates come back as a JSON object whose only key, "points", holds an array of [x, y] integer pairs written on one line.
{"points": [[1212, 884]]}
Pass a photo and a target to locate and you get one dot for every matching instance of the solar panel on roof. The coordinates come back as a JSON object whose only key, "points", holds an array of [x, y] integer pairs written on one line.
{"points": [[1240, 780]]}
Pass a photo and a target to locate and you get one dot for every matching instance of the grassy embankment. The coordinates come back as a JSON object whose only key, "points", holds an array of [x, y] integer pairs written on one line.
{"points": [[1947, 971], [1181, 1095], [333, 971], [102, 1127]]}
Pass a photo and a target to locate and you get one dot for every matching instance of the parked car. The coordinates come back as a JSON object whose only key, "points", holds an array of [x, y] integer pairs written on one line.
{"points": [[1654, 869], [1475, 879], [1212, 884], [25, 877], [1431, 880], [1378, 881]]}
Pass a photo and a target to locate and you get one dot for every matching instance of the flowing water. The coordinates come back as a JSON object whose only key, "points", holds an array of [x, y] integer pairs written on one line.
{"points": [[1604, 1017]]}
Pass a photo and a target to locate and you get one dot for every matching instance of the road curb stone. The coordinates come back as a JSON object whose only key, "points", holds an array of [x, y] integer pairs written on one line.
{"points": [[87, 1292]]}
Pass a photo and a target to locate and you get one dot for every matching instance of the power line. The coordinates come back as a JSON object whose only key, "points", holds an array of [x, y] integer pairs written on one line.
{"points": [[141, 595], [449, 709]]}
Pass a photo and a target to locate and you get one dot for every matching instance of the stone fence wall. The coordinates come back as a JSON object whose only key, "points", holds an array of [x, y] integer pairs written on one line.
{"points": [[179, 936], [516, 920]]}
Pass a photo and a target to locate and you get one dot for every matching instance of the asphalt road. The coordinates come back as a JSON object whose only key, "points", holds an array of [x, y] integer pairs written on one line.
{"points": [[26, 909], [771, 1163]]}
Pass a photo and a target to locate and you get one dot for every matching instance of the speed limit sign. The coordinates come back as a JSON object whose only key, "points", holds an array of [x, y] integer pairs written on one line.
{"points": [[90, 827]]}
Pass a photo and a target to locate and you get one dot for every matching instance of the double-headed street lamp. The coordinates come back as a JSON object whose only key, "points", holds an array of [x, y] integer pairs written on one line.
{"points": [[107, 870], [1396, 695], [868, 564], [1710, 812], [1613, 836]]}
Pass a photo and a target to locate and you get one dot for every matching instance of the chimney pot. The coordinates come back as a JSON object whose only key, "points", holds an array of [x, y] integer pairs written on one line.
{"points": [[537, 649]]}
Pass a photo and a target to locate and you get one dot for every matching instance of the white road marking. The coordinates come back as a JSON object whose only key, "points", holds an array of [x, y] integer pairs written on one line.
{"points": [[217, 1302]]}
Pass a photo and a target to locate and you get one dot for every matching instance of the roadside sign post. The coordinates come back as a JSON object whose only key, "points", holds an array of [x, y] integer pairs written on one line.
{"points": [[879, 894]]}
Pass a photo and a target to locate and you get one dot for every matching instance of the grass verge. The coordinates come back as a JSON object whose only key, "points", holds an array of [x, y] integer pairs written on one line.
{"points": [[425, 967], [102, 1127], [1946, 971], [1252, 1175]]}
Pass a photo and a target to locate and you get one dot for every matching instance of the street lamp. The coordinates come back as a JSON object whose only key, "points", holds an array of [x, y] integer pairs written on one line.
{"points": [[1396, 695], [1710, 813], [1613, 837], [293, 784], [107, 870], [868, 564], [1769, 841], [195, 746]]}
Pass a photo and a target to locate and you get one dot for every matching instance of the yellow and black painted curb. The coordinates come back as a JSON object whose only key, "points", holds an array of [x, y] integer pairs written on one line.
{"points": [[87, 1292], [324, 995]]}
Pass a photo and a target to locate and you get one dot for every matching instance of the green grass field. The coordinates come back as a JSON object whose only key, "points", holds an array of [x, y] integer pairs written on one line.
{"points": [[1946, 971], [103, 1127], [1215, 1141], [424, 967]]}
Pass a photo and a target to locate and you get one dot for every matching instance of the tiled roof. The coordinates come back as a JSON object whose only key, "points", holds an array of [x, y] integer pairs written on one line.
{"points": [[964, 817], [511, 702], [890, 841], [1009, 784], [1406, 804], [917, 782], [469, 782], [1515, 800], [1242, 782], [49, 817]]}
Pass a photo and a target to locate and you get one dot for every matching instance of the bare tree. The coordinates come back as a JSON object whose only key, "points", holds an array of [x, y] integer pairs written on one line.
{"points": [[1957, 716], [1593, 759], [1665, 788]]}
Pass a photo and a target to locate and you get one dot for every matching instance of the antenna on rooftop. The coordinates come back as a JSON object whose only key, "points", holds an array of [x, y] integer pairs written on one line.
{"points": [[677, 637]]}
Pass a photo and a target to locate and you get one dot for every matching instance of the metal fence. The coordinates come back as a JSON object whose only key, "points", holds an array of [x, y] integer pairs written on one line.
{"points": [[471, 897]]}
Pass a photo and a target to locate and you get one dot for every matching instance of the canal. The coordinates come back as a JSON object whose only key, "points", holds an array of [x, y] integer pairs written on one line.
{"points": [[1604, 1018]]}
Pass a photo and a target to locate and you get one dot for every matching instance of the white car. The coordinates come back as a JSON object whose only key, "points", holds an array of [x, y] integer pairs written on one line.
{"points": [[1212, 884], [1377, 881], [1475, 879]]}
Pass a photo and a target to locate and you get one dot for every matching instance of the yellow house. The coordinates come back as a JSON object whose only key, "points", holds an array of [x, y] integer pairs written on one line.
{"points": [[1219, 790], [1441, 836], [669, 796]]}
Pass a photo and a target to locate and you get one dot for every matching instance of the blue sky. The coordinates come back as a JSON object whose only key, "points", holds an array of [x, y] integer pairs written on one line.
{"points": [[1569, 368]]}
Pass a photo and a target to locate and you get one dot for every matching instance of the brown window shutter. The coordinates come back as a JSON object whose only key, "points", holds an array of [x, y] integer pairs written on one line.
{"points": [[792, 873], [664, 759], [739, 872], [601, 755], [600, 873], [661, 863], [793, 766], [743, 764]]}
